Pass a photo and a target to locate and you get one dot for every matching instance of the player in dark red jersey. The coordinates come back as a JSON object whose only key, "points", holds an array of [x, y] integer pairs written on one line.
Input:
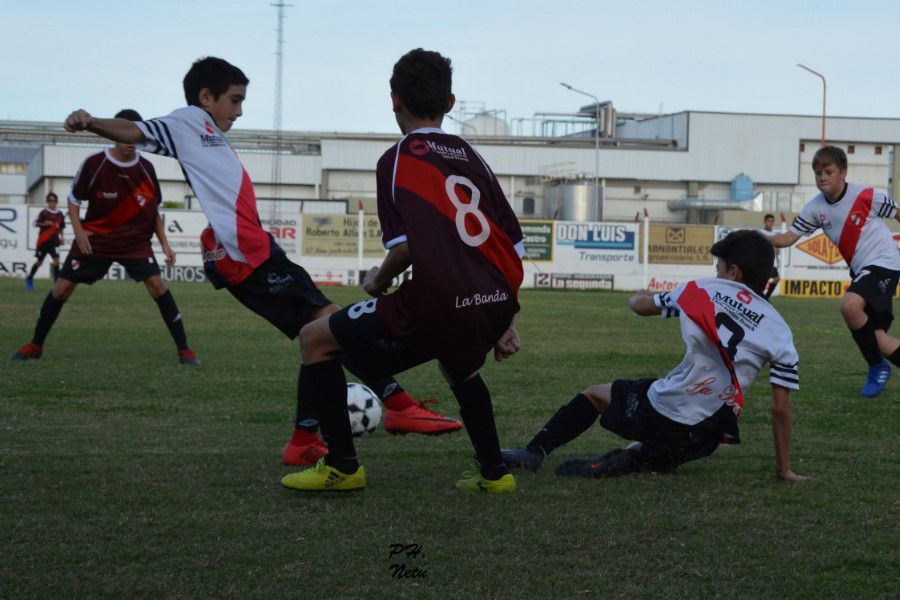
{"points": [[123, 199], [443, 213], [51, 223]]}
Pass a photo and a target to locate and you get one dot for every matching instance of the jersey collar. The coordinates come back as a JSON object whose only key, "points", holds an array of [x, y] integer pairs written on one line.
{"points": [[839, 198], [427, 130], [118, 163]]}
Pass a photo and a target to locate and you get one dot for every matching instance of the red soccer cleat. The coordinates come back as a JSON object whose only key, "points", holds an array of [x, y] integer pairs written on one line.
{"points": [[303, 455], [418, 419], [188, 357], [28, 351]]}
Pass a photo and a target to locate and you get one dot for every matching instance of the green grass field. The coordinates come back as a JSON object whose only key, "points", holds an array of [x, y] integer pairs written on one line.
{"points": [[123, 474]]}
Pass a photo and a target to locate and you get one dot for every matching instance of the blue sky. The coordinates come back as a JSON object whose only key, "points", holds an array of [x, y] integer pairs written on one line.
{"points": [[725, 56]]}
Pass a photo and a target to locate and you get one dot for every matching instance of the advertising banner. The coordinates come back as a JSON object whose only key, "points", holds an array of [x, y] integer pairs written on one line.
{"points": [[680, 244], [335, 235], [15, 259], [538, 238], [817, 288], [596, 247]]}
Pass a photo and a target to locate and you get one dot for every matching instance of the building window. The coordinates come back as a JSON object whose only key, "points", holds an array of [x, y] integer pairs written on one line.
{"points": [[877, 149], [802, 147], [528, 205], [637, 189], [851, 149]]}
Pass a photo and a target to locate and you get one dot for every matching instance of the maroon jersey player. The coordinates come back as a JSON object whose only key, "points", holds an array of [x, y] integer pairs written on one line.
{"points": [[122, 196], [442, 213], [51, 223]]}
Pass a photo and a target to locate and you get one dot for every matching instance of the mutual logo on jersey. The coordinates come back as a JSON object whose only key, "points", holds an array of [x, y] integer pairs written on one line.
{"points": [[745, 297], [447, 151], [595, 236], [211, 139], [208, 126], [728, 301], [419, 147], [822, 248]]}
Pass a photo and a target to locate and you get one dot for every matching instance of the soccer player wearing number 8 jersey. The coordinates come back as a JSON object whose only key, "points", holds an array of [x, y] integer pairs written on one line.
{"points": [[730, 332], [443, 213], [852, 216]]}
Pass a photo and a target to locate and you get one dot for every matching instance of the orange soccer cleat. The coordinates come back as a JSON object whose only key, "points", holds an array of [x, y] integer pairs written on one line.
{"points": [[418, 419]]}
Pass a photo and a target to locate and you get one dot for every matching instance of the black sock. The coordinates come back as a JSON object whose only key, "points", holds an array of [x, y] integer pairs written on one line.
{"points": [[47, 317], [570, 421], [478, 416], [54, 271], [306, 411], [868, 344], [325, 385], [895, 357], [169, 311], [768, 293], [33, 270]]}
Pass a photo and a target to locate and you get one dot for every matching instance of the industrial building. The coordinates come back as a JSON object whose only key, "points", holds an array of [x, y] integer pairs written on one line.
{"points": [[687, 167]]}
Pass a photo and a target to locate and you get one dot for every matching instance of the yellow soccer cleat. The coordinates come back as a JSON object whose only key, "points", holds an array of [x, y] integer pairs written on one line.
{"points": [[473, 481], [323, 478]]}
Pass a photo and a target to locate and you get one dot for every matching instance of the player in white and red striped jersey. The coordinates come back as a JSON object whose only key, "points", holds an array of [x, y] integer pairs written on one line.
{"points": [[731, 332], [852, 216], [442, 213], [238, 253]]}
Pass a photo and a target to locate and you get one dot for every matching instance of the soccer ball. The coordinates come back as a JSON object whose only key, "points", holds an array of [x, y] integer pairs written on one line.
{"points": [[364, 409]]}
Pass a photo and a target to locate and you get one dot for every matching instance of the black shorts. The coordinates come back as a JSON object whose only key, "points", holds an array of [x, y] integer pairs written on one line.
{"points": [[370, 352], [877, 286], [282, 293], [88, 269], [774, 273], [45, 249], [665, 443]]}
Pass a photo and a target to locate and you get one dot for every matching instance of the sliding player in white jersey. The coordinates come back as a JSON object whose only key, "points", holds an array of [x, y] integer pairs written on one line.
{"points": [[852, 216], [730, 332]]}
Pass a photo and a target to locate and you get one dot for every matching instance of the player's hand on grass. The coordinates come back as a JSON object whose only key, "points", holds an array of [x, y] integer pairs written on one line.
{"points": [[791, 476], [370, 283], [81, 238], [170, 255], [508, 344], [79, 120]]}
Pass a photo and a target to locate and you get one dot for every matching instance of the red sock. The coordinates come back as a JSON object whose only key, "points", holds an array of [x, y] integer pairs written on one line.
{"points": [[399, 401], [302, 437]]}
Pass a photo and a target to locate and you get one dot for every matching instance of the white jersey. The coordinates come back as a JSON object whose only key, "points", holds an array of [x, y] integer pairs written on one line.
{"points": [[855, 223], [768, 232], [220, 182], [730, 333]]}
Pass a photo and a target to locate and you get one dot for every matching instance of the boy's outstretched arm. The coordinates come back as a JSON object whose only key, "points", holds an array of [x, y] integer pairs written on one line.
{"points": [[781, 432], [117, 130], [378, 280], [783, 240], [642, 304]]}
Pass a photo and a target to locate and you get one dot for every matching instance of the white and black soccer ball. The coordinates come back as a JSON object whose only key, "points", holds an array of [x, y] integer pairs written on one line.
{"points": [[364, 409]]}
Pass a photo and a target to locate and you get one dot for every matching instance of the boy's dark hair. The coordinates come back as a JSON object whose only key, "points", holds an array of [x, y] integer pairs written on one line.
{"points": [[52, 195], [213, 73], [128, 113], [768, 216], [422, 79], [752, 252], [829, 155]]}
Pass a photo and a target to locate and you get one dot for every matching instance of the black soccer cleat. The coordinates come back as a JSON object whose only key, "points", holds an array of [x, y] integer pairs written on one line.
{"points": [[614, 463], [521, 458]]}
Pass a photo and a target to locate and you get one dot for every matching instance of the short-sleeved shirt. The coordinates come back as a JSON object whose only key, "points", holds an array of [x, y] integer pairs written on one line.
{"points": [[49, 234], [235, 240], [730, 333], [437, 194], [855, 223], [122, 205]]}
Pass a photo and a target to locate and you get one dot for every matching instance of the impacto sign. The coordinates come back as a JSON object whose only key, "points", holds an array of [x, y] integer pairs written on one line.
{"points": [[804, 288], [336, 235], [681, 244], [538, 238]]}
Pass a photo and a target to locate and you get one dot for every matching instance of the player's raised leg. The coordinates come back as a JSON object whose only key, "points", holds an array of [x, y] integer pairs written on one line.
{"points": [[171, 316], [50, 309]]}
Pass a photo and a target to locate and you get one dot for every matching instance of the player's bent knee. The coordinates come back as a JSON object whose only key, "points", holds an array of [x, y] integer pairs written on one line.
{"points": [[599, 395], [317, 343], [325, 311], [62, 289], [155, 286]]}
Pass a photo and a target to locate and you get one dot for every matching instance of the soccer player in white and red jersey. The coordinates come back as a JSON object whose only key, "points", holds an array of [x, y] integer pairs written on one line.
{"points": [[852, 216], [238, 253], [443, 213], [123, 197], [730, 332], [51, 223]]}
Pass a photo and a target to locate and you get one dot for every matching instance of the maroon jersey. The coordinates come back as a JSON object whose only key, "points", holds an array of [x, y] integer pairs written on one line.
{"points": [[123, 205], [49, 234], [437, 194]]}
